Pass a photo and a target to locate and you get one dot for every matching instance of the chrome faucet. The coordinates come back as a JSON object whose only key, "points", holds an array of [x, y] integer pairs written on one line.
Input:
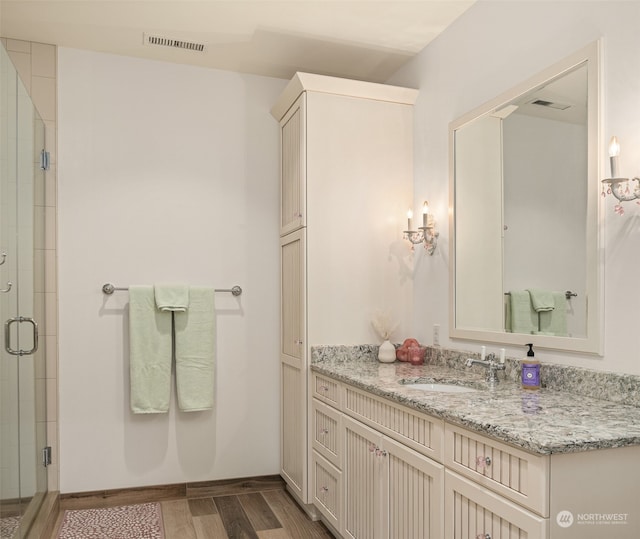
{"points": [[491, 365]]}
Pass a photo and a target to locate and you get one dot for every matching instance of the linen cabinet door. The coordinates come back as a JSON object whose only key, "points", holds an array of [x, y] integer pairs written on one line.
{"points": [[363, 477], [415, 502], [293, 167], [473, 512], [293, 366]]}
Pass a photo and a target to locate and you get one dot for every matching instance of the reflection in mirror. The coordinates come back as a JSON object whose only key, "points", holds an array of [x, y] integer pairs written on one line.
{"points": [[525, 219]]}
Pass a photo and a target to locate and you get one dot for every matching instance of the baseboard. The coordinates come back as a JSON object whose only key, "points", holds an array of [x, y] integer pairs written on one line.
{"points": [[158, 493], [309, 509]]}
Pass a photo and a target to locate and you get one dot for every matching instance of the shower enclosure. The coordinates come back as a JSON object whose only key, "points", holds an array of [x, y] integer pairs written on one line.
{"points": [[23, 451]]}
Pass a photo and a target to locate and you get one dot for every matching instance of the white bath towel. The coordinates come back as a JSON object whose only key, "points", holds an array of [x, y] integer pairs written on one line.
{"points": [[195, 351], [149, 353]]}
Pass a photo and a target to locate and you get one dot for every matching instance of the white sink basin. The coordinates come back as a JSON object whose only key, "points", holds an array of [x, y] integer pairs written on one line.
{"points": [[441, 388]]}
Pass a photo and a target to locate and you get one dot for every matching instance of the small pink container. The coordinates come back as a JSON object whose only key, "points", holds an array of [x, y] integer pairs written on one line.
{"points": [[416, 355]]}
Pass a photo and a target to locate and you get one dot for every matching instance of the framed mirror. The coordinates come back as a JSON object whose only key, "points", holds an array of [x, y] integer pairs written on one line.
{"points": [[525, 227]]}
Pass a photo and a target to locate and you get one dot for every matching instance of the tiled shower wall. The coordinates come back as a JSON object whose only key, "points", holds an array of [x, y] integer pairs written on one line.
{"points": [[37, 67]]}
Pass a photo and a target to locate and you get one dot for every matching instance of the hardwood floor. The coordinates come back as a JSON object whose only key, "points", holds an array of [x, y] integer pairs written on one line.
{"points": [[258, 508]]}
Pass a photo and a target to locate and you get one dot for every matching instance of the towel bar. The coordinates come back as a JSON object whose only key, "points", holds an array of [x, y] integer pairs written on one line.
{"points": [[568, 294], [109, 289]]}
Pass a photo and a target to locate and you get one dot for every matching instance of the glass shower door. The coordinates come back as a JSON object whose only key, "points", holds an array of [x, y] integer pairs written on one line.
{"points": [[22, 364]]}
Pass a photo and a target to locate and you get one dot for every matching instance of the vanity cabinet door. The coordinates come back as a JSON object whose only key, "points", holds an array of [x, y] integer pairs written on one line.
{"points": [[363, 472], [390, 491], [293, 167], [414, 503], [473, 512]]}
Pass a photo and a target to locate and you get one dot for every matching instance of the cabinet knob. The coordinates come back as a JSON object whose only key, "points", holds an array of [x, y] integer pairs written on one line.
{"points": [[324, 489], [324, 388], [324, 431], [298, 342], [483, 536], [483, 461], [373, 448]]}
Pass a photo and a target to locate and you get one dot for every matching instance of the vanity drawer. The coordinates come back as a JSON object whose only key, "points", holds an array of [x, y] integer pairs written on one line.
{"points": [[327, 489], [327, 434], [473, 512], [326, 389], [513, 473], [416, 430]]}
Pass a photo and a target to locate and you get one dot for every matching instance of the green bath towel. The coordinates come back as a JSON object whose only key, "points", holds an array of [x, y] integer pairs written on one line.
{"points": [[541, 300], [149, 353], [172, 297], [555, 322], [195, 351], [523, 318]]}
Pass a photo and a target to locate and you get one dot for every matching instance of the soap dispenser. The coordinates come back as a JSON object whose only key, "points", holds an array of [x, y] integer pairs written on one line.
{"points": [[530, 370]]}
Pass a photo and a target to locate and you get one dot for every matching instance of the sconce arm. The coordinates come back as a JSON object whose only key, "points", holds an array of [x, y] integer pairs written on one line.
{"points": [[620, 189]]}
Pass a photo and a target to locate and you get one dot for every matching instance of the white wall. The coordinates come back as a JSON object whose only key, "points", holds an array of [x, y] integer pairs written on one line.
{"points": [[167, 173], [489, 49]]}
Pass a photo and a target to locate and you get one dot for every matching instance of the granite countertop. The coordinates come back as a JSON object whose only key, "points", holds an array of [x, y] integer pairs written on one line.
{"points": [[545, 421]]}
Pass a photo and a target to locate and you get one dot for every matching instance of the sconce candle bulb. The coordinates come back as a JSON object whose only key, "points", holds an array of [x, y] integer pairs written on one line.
{"points": [[409, 216], [614, 152], [425, 213], [617, 186]]}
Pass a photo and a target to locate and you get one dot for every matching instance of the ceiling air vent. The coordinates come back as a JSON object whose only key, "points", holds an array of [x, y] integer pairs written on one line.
{"points": [[550, 104], [174, 43]]}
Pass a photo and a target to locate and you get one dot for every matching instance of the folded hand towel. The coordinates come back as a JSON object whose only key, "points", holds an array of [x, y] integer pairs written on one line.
{"points": [[149, 353], [172, 297], [523, 318], [555, 322], [542, 300], [195, 351]]}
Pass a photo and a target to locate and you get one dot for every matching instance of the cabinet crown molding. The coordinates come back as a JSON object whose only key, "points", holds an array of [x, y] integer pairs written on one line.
{"points": [[309, 82]]}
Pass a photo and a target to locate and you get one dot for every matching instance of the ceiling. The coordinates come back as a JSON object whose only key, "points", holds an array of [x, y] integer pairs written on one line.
{"points": [[361, 39]]}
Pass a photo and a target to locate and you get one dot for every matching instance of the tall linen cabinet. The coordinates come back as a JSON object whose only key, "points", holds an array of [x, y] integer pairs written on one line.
{"points": [[346, 184]]}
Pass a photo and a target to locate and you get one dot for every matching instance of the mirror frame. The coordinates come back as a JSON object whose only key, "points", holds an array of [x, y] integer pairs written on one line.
{"points": [[593, 342]]}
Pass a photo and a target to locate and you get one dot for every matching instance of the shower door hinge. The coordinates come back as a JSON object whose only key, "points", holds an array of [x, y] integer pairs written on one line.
{"points": [[44, 160], [46, 456]]}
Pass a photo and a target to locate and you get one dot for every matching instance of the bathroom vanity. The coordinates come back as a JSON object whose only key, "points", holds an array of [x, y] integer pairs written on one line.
{"points": [[392, 461]]}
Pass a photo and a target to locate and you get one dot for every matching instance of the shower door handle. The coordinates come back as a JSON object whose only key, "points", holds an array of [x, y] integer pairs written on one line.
{"points": [[7, 336]]}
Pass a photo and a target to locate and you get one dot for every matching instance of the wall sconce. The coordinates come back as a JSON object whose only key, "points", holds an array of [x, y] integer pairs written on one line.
{"points": [[616, 186], [426, 234]]}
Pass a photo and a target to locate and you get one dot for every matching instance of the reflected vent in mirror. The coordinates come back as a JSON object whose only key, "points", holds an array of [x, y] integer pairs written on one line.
{"points": [[164, 41], [550, 104]]}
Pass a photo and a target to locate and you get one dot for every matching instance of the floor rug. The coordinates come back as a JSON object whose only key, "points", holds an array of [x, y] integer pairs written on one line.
{"points": [[8, 527], [140, 521]]}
